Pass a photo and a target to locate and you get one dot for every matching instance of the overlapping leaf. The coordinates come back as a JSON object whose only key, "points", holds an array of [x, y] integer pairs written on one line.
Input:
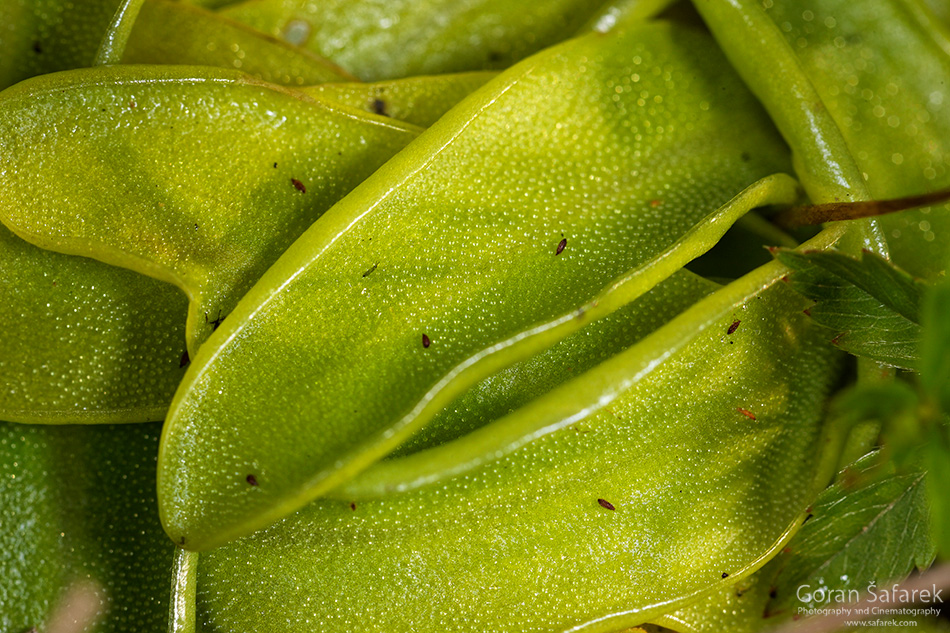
{"points": [[504, 216], [417, 100], [872, 307], [83, 341], [77, 505], [678, 463], [881, 72], [168, 32], [401, 38], [123, 182], [870, 527]]}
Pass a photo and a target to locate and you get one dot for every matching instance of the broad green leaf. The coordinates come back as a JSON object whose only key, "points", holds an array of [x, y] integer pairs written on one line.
{"points": [[100, 163], [77, 504], [83, 341], [739, 608], [881, 69], [417, 100], [871, 306], [759, 53], [44, 36], [387, 39], [170, 32], [871, 526], [656, 488], [487, 240], [515, 386]]}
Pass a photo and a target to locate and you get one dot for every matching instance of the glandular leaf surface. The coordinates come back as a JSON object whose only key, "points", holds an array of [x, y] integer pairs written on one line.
{"points": [[881, 73], [102, 162], [44, 36], [83, 341], [168, 32], [77, 512], [387, 39], [417, 100], [685, 464], [517, 207]]}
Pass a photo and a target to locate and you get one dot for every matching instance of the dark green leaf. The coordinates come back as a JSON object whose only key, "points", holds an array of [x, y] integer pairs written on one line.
{"points": [[871, 306], [872, 525]]}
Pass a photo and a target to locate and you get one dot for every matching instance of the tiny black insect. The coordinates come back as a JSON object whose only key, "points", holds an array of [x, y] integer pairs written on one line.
{"points": [[725, 575], [379, 107], [299, 186], [561, 246], [251, 479], [184, 360], [606, 504], [732, 328], [425, 341]]}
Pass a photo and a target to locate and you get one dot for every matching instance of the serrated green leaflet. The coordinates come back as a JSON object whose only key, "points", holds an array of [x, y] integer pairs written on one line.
{"points": [[175, 33], [121, 182], [445, 266], [869, 527], [881, 72], [632, 506], [83, 341], [78, 506], [871, 307], [377, 40], [417, 100]]}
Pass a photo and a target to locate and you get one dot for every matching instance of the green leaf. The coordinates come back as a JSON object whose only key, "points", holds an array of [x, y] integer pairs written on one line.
{"points": [[935, 345], [500, 231], [881, 74], [83, 341], [133, 191], [739, 608], [78, 506], [871, 526], [871, 305], [170, 32], [403, 38], [693, 490], [417, 100], [513, 387], [44, 36]]}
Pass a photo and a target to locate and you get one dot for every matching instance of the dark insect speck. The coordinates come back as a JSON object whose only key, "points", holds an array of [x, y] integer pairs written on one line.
{"points": [[606, 504], [732, 328], [773, 593], [425, 341], [37, 48], [251, 479], [561, 246], [725, 575], [746, 157], [369, 272], [184, 360], [352, 506], [299, 186], [810, 515], [379, 107], [181, 541], [275, 165], [746, 413]]}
